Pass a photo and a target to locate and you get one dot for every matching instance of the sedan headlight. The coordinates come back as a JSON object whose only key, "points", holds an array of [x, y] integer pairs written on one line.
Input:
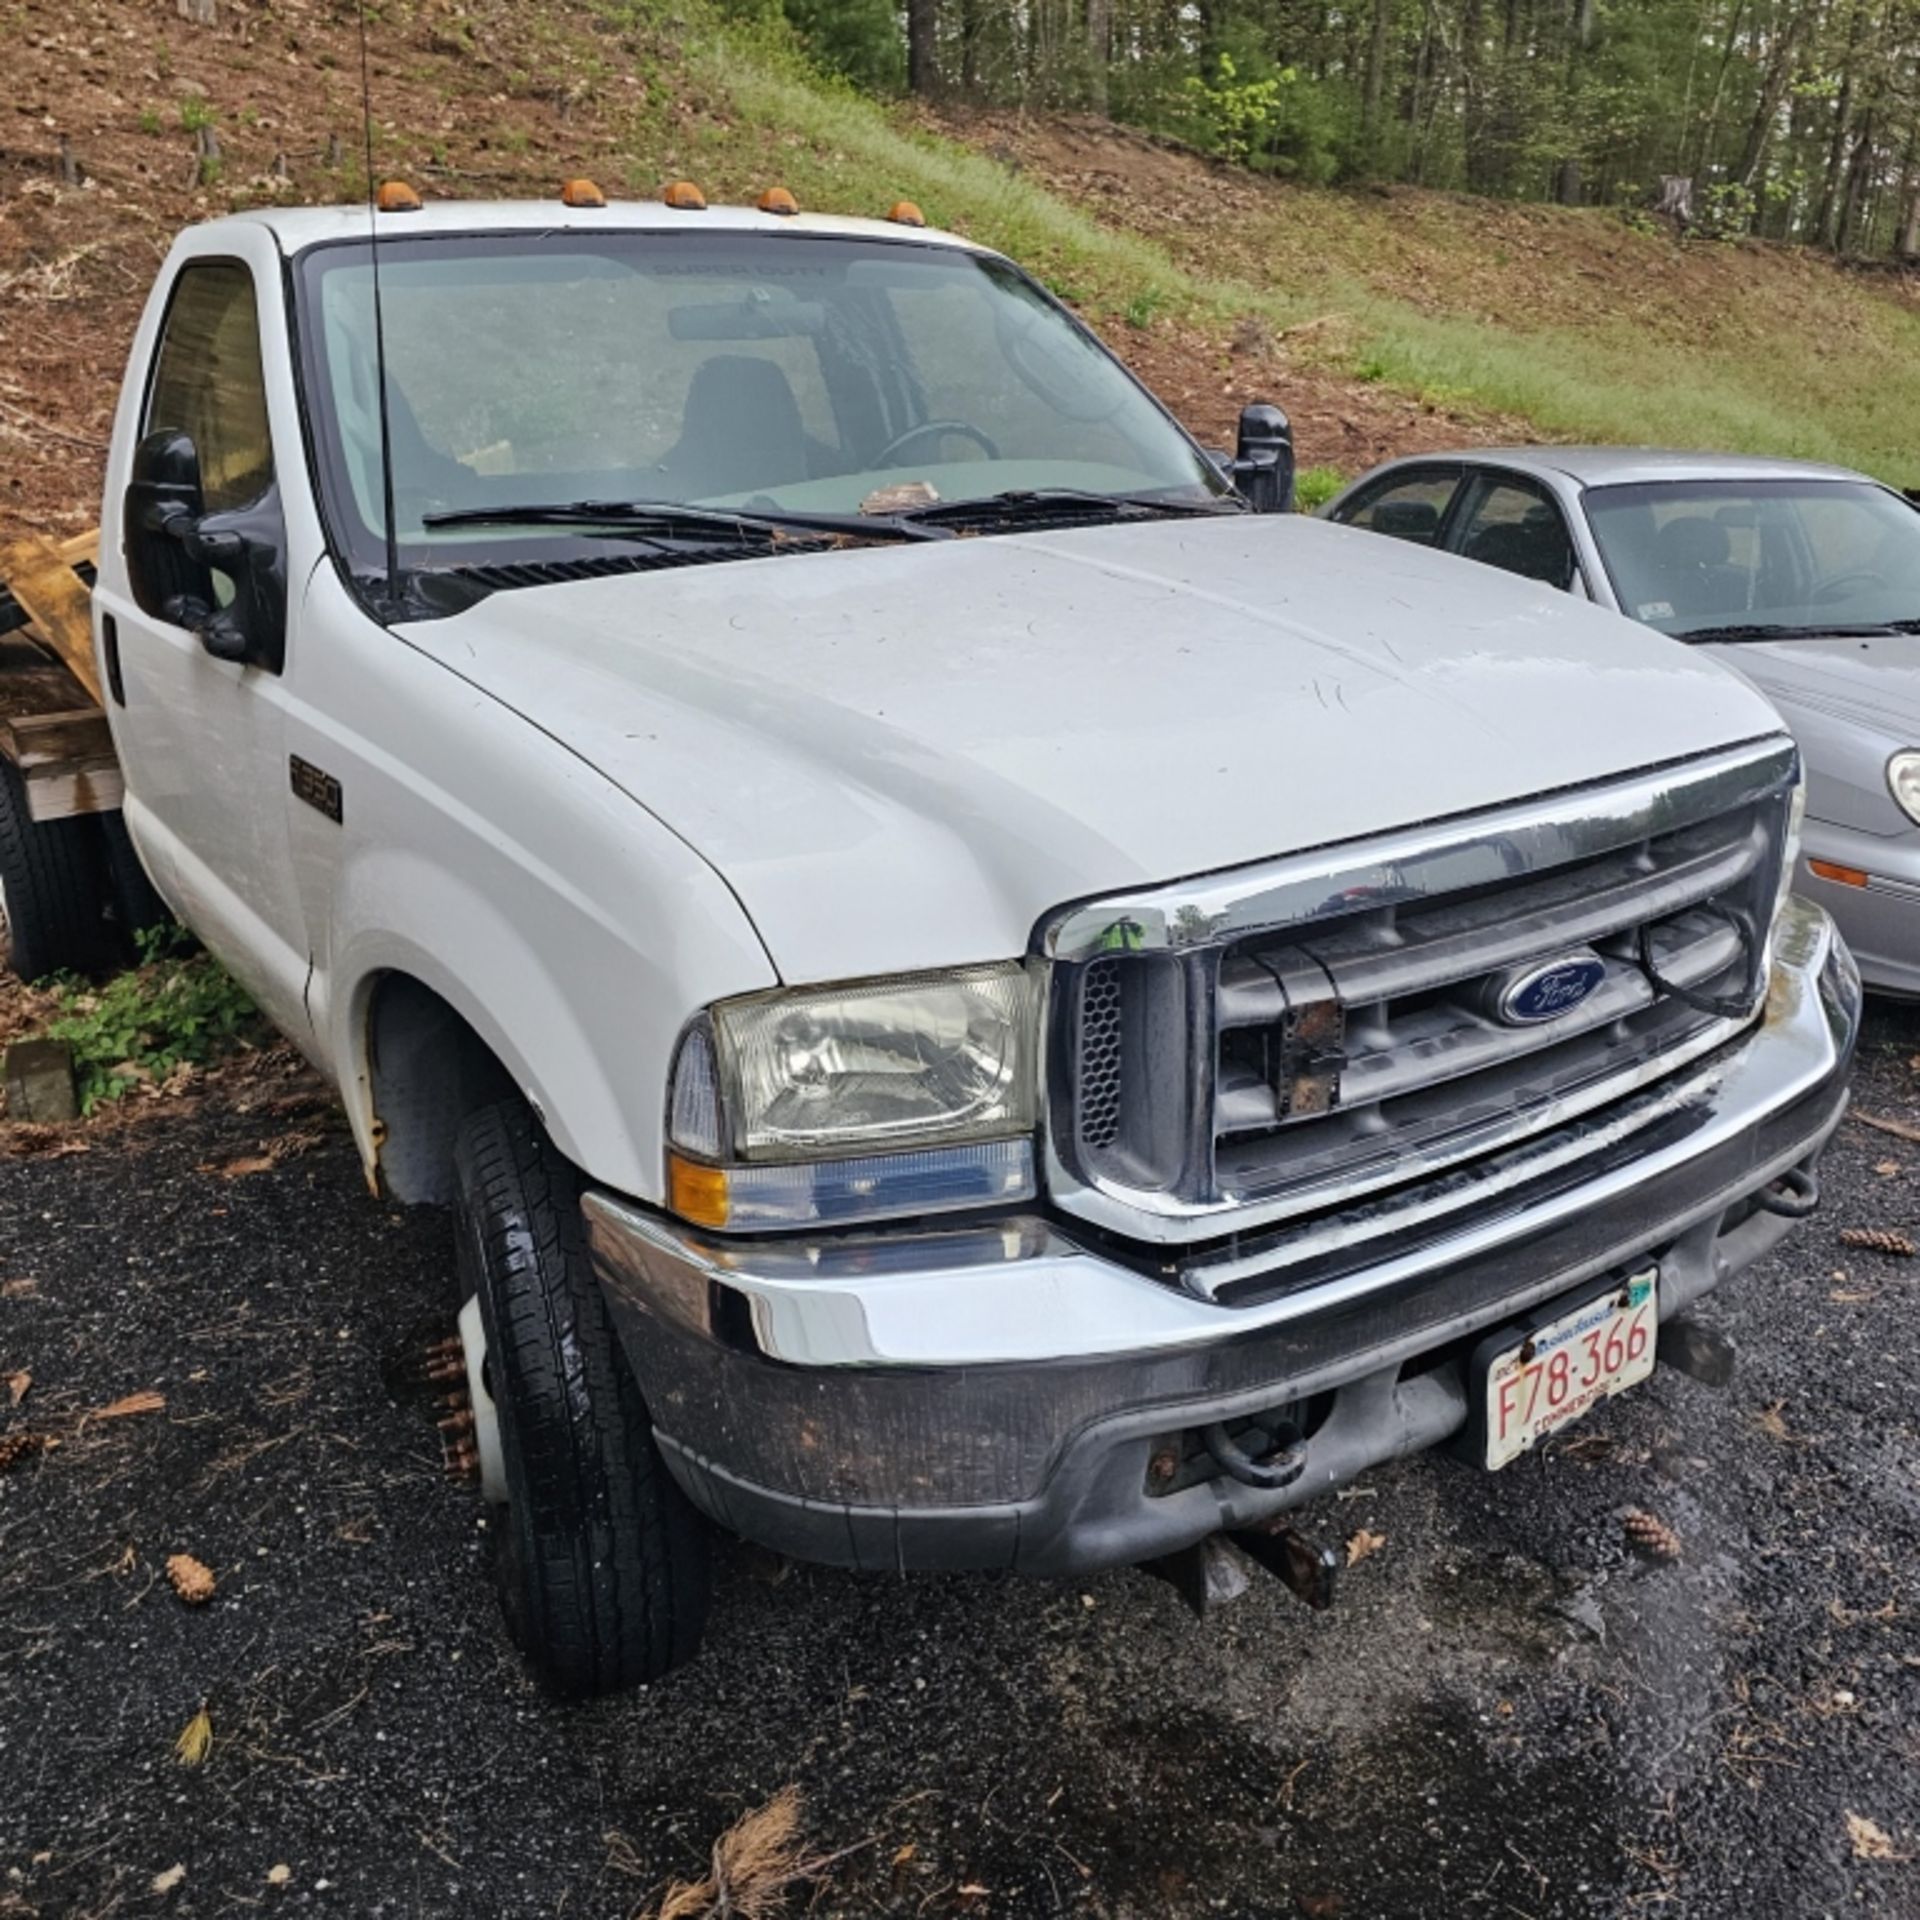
{"points": [[878, 1098], [1903, 781]]}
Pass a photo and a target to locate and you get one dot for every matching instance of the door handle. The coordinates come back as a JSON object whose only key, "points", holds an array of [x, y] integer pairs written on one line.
{"points": [[110, 652]]}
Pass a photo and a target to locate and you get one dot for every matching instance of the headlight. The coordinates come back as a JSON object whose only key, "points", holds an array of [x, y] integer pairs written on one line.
{"points": [[1903, 781], [881, 1097]]}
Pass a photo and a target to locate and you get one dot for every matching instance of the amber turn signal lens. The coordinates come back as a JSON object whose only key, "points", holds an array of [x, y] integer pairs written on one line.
{"points": [[696, 1193], [685, 195], [903, 213], [581, 193], [395, 196], [777, 200], [1839, 875]]}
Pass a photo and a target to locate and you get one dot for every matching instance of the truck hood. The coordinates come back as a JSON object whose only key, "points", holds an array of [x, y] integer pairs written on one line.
{"points": [[905, 756]]}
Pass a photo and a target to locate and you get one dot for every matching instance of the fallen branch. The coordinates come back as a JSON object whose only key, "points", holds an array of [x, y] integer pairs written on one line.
{"points": [[1900, 1129]]}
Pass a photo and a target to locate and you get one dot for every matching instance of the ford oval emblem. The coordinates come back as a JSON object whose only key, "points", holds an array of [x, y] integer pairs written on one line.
{"points": [[1525, 996]]}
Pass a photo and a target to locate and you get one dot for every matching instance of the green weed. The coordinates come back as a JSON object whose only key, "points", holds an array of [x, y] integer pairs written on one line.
{"points": [[1313, 487], [178, 1007]]}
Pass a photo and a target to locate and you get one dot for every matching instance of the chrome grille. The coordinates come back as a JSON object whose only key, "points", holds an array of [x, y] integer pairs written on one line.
{"points": [[1270, 1044]]}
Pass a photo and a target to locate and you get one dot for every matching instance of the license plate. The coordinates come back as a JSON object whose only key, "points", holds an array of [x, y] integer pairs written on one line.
{"points": [[1565, 1367]]}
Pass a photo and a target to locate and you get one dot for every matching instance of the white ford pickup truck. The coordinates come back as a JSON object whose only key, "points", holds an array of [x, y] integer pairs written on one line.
{"points": [[979, 1000]]}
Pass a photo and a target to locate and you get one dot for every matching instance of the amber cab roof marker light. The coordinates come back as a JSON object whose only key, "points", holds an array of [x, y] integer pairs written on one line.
{"points": [[903, 213], [684, 195], [395, 196], [581, 193], [777, 200]]}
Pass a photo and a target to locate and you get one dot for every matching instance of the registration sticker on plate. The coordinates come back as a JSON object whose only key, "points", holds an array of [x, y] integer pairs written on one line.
{"points": [[1566, 1367]]}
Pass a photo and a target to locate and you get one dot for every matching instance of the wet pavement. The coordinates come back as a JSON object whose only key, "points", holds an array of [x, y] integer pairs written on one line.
{"points": [[1509, 1713]]}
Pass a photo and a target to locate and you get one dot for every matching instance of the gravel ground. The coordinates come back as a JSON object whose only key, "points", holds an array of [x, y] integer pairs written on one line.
{"points": [[1508, 1714]]}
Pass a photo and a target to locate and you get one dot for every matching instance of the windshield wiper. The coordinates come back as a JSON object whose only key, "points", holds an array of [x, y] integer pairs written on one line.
{"points": [[1047, 502], [1754, 631], [673, 518]]}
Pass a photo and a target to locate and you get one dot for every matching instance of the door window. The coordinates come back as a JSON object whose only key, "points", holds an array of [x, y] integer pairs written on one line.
{"points": [[207, 382], [1405, 506], [1513, 524]]}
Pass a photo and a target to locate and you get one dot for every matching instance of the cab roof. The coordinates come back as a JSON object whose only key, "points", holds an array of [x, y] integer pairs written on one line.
{"points": [[297, 228]]}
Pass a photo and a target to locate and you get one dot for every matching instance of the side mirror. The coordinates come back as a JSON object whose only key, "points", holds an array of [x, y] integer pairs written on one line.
{"points": [[1263, 460], [164, 500], [222, 576]]}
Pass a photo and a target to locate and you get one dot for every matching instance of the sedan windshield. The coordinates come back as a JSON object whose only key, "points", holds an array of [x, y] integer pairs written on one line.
{"points": [[805, 376], [1760, 559]]}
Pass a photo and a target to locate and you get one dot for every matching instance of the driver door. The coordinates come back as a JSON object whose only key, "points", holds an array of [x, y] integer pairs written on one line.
{"points": [[202, 740]]}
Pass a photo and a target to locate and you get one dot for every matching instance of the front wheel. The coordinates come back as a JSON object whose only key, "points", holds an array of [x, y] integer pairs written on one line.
{"points": [[602, 1562]]}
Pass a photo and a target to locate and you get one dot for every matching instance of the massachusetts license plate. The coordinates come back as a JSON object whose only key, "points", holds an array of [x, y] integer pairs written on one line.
{"points": [[1565, 1367]]}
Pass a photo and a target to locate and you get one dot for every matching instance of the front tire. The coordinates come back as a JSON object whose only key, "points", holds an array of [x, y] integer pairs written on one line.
{"points": [[602, 1563]]}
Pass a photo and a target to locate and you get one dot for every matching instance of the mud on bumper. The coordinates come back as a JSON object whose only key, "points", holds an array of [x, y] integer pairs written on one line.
{"points": [[1004, 1395]]}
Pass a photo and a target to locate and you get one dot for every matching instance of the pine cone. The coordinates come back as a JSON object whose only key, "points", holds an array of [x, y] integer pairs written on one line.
{"points": [[1650, 1537], [18, 1448], [192, 1579], [1889, 1240]]}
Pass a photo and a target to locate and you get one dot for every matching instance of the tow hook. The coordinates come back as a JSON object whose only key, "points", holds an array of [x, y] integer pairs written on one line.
{"points": [[1793, 1195], [1281, 1468], [1308, 1568], [1209, 1573]]}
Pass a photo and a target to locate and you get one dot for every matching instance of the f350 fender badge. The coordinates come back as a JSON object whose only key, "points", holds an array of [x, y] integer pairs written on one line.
{"points": [[1525, 996], [319, 790]]}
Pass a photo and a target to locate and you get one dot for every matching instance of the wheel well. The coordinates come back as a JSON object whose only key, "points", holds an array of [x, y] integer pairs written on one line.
{"points": [[428, 1069]]}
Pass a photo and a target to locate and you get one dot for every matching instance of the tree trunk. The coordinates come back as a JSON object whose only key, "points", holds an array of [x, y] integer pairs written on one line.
{"points": [[1099, 52], [1566, 182], [1908, 245], [1376, 83], [1823, 219], [1773, 91], [923, 47]]}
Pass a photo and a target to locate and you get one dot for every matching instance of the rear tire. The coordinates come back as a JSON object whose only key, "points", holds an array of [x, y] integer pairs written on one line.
{"points": [[53, 880], [602, 1563]]}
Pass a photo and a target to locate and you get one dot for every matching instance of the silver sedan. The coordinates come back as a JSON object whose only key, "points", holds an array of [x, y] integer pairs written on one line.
{"points": [[1804, 578]]}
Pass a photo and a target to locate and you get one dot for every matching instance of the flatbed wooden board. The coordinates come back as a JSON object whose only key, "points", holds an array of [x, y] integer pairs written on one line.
{"points": [[52, 723], [40, 575]]}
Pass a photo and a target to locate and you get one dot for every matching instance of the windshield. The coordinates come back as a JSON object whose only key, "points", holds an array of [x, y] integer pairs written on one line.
{"points": [[802, 374], [1800, 556]]}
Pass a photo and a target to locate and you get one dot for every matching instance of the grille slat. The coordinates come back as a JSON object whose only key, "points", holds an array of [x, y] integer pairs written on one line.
{"points": [[1507, 927], [1220, 1072]]}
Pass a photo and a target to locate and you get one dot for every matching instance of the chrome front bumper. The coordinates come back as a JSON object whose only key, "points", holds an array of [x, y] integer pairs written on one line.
{"points": [[991, 1395]]}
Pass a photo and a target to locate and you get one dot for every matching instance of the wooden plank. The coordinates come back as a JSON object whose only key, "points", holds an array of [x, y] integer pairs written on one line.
{"points": [[56, 602], [31, 684], [54, 793], [40, 740]]}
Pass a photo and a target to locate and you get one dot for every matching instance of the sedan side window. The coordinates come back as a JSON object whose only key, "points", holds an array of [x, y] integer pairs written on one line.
{"points": [[1513, 524], [207, 382], [1405, 506]]}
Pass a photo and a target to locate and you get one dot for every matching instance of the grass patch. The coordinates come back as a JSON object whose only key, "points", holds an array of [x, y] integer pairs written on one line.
{"points": [[1313, 487], [178, 1008]]}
